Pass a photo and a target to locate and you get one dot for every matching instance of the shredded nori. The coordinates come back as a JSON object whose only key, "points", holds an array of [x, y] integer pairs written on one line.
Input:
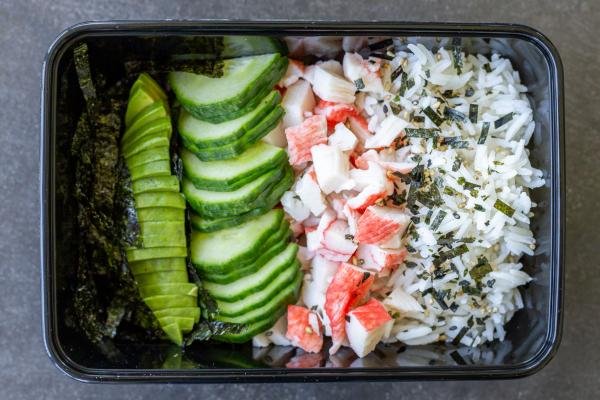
{"points": [[484, 133], [457, 55], [450, 254], [425, 133], [454, 115], [438, 220], [504, 208], [433, 116], [473, 113], [382, 44], [503, 120], [454, 142], [207, 329], [460, 335], [396, 73], [480, 270], [359, 83]]}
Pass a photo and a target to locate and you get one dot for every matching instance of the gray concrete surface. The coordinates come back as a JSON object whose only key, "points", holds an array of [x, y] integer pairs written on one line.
{"points": [[27, 28]]}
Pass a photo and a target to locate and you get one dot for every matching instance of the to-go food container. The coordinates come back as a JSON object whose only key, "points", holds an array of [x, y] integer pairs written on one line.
{"points": [[533, 334]]}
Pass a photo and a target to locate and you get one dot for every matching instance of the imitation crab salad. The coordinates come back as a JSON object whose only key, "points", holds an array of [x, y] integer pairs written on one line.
{"points": [[316, 192]]}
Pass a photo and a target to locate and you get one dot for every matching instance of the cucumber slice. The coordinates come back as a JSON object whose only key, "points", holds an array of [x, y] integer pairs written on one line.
{"points": [[151, 143], [173, 333], [134, 255], [154, 168], [158, 265], [189, 312], [154, 111], [227, 204], [236, 148], [147, 156], [268, 273], [156, 129], [160, 214], [159, 278], [275, 247], [286, 296], [204, 224], [261, 297], [240, 46], [229, 175], [221, 99], [205, 134], [156, 184], [251, 330], [188, 289], [156, 303], [159, 199], [218, 251], [186, 324]]}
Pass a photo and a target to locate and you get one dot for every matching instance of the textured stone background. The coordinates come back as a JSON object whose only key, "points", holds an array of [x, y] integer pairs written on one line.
{"points": [[28, 27]]}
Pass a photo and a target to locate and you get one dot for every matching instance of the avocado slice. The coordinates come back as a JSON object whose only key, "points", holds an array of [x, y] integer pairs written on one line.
{"points": [[151, 143], [160, 213], [134, 254], [190, 312], [154, 168], [173, 332], [158, 278], [185, 324], [159, 199], [154, 111], [170, 301], [158, 128], [189, 289], [150, 155], [140, 97]]}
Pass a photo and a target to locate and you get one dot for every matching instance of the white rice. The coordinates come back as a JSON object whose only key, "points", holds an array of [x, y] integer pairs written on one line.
{"points": [[502, 170]]}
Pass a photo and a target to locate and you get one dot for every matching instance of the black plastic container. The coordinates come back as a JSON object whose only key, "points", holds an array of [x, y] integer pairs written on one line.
{"points": [[533, 334]]}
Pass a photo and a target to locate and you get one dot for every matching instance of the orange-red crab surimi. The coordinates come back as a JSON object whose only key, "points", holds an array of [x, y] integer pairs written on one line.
{"points": [[378, 224], [378, 259], [365, 74], [342, 138], [348, 287], [332, 87], [331, 167], [297, 101], [304, 329], [335, 113], [338, 241], [301, 138], [307, 188], [366, 326]]}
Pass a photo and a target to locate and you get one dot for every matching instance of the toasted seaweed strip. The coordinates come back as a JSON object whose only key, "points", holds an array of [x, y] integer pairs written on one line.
{"points": [[433, 116], [156, 66]]}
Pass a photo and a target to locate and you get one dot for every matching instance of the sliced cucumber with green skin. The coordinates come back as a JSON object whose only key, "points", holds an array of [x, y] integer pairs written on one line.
{"points": [[238, 273], [204, 224], [268, 273], [154, 168], [236, 148], [226, 204], [153, 112], [188, 289], [147, 156], [159, 199], [158, 265], [243, 45], [251, 330], [220, 99], [229, 175], [173, 332], [220, 250], [186, 324], [134, 255], [156, 184], [260, 298], [151, 143], [273, 245], [161, 302], [158, 278], [161, 214], [189, 312], [156, 129], [286, 296], [205, 134]]}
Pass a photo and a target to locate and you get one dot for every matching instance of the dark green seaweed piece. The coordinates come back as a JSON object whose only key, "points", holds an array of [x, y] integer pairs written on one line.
{"points": [[382, 44], [457, 54], [504, 208], [212, 68], [207, 329], [359, 84], [425, 133], [456, 164], [433, 116], [503, 120], [438, 220], [473, 113], [480, 270], [454, 115], [396, 73], [450, 254], [485, 129], [487, 67], [455, 142]]}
